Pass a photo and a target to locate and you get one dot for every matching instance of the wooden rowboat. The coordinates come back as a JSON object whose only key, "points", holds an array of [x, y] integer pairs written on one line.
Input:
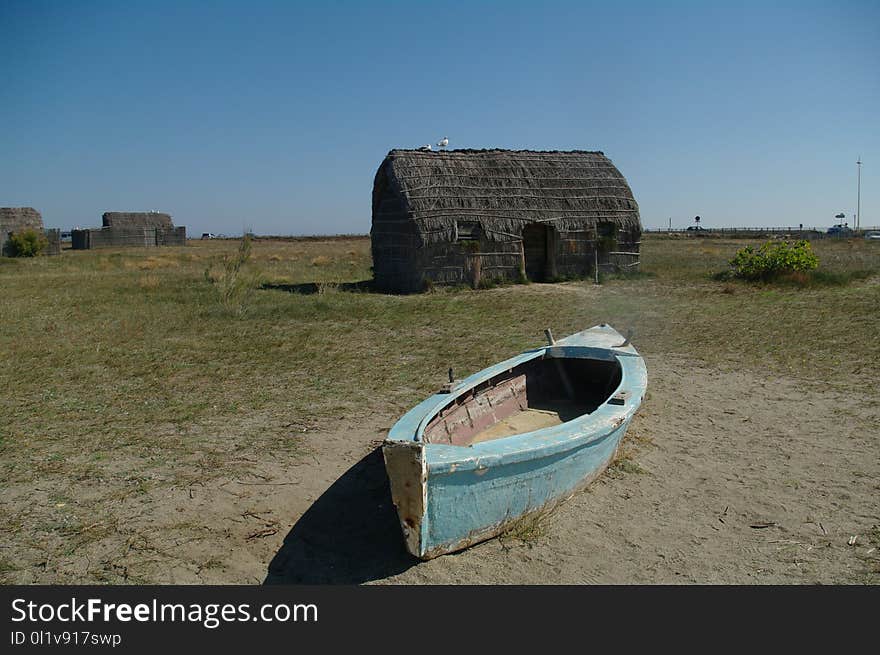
{"points": [[514, 439]]}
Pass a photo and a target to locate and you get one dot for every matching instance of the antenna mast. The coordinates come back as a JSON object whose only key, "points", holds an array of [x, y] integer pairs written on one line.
{"points": [[859, 194]]}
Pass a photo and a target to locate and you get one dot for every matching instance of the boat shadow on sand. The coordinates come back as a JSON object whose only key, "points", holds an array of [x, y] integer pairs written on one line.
{"points": [[350, 535]]}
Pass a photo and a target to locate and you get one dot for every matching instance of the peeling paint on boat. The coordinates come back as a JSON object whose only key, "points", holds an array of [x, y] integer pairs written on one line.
{"points": [[449, 497]]}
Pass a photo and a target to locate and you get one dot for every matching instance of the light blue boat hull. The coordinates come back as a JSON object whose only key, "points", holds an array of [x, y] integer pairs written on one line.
{"points": [[449, 497]]}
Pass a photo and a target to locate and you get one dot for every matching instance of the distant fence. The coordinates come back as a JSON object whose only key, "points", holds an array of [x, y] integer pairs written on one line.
{"points": [[303, 237], [53, 237], [795, 232]]}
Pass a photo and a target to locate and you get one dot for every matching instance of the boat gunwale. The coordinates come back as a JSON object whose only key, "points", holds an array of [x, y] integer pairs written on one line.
{"points": [[540, 443], [579, 432]]}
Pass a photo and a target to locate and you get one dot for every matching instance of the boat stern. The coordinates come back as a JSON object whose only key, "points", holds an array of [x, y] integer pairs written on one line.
{"points": [[407, 473]]}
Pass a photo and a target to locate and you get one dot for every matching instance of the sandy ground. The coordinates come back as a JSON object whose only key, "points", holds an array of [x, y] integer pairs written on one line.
{"points": [[743, 480], [730, 479]]}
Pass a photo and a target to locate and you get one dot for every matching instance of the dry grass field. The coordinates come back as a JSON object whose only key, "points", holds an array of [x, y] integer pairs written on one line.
{"points": [[150, 433]]}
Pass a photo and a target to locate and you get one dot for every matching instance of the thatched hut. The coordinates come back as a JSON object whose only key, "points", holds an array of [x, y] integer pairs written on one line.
{"points": [[142, 229], [17, 219], [466, 216]]}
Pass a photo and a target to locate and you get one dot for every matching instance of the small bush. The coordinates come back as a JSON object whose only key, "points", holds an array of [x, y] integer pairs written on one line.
{"points": [[774, 259], [235, 286], [27, 243]]}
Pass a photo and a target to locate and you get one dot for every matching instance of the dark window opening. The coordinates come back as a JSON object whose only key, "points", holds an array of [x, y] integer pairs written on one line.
{"points": [[469, 231], [606, 229]]}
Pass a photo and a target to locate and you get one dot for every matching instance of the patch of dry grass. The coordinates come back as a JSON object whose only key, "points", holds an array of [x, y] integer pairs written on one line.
{"points": [[626, 463], [528, 530], [148, 282]]}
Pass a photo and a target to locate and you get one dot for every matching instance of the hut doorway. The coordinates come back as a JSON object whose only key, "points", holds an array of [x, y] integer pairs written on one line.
{"points": [[538, 251]]}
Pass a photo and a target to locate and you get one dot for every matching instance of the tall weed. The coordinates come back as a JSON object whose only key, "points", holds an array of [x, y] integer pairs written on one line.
{"points": [[232, 278]]}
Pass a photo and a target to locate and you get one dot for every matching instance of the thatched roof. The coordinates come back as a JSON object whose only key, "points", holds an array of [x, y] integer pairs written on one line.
{"points": [[21, 216], [136, 219], [503, 190]]}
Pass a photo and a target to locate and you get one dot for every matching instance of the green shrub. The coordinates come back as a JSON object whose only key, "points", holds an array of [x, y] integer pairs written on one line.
{"points": [[774, 259], [27, 243]]}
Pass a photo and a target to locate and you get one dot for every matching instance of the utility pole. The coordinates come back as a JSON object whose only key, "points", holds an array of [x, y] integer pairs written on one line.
{"points": [[859, 194]]}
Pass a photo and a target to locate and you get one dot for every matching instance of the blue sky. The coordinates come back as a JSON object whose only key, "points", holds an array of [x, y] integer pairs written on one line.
{"points": [[275, 115]]}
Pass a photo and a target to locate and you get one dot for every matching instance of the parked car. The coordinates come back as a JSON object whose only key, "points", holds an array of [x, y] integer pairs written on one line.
{"points": [[841, 229], [696, 228], [872, 236], [208, 235]]}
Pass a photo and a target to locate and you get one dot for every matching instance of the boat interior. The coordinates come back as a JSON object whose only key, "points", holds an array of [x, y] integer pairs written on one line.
{"points": [[537, 394]]}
